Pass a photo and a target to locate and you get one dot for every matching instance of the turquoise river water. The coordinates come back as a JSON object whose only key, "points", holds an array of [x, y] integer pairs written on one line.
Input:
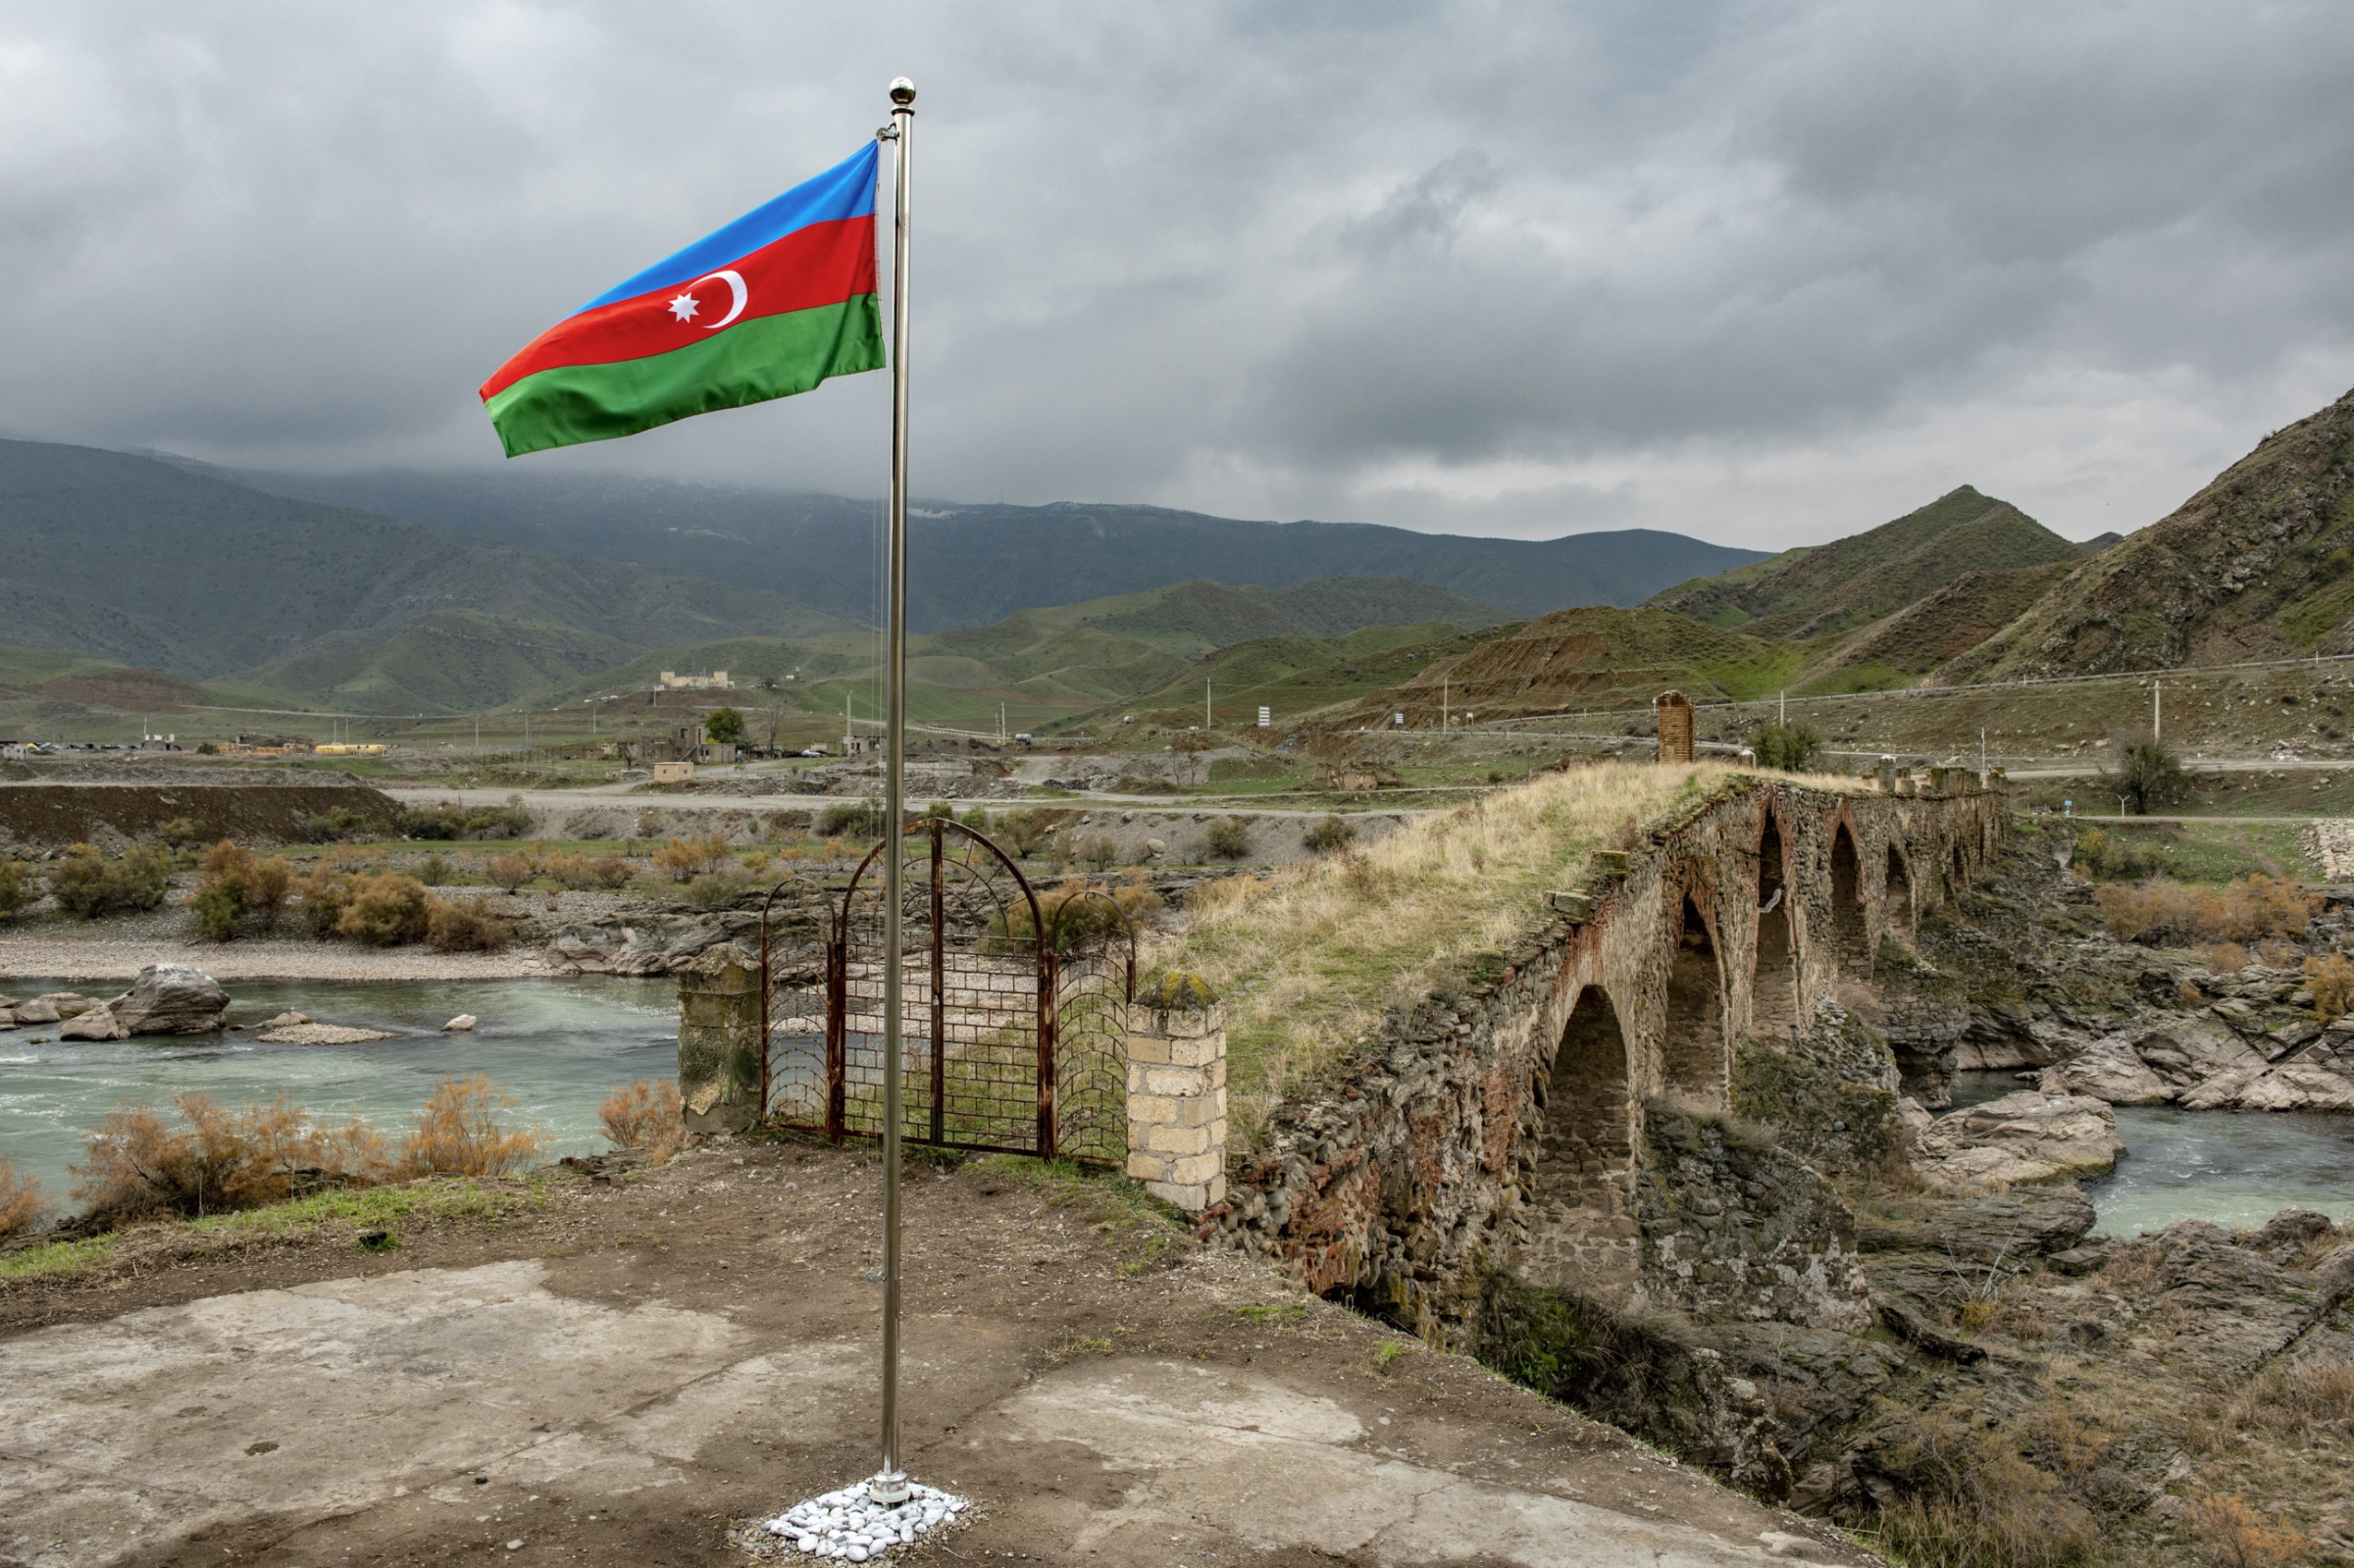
{"points": [[559, 1046], [2235, 1168]]}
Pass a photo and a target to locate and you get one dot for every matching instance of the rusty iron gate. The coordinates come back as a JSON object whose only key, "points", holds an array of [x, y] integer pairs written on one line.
{"points": [[1013, 1004]]}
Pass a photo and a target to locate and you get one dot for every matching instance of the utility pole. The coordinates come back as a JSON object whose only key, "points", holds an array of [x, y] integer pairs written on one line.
{"points": [[1981, 751], [1442, 704], [1208, 723], [1781, 714], [2157, 717]]}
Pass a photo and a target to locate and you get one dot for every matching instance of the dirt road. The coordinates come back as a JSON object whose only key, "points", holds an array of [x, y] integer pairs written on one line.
{"points": [[623, 1373]]}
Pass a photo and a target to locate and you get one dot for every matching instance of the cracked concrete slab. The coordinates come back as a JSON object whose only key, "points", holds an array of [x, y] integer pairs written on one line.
{"points": [[328, 1398], [1280, 1468]]}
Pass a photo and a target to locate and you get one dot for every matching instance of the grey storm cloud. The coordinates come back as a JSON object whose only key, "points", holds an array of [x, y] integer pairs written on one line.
{"points": [[1760, 272]]}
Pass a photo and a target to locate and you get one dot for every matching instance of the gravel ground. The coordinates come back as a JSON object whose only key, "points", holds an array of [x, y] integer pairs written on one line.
{"points": [[110, 955]]}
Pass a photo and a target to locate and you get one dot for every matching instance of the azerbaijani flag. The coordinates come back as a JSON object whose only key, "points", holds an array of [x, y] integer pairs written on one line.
{"points": [[771, 305]]}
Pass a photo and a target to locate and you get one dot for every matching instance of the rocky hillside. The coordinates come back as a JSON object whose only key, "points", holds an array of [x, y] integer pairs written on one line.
{"points": [[1838, 586], [2260, 564]]}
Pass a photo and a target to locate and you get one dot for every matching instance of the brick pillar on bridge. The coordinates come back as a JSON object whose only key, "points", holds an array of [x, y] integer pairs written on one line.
{"points": [[1676, 725]]}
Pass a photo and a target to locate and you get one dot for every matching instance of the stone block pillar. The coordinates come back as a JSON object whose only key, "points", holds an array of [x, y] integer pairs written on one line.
{"points": [[719, 1041], [1177, 1092], [1676, 725]]}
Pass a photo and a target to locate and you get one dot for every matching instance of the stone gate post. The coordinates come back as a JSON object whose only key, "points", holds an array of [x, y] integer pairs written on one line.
{"points": [[719, 1041], [1177, 1092]]}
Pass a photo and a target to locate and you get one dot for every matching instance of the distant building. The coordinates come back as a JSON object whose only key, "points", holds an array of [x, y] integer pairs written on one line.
{"points": [[716, 681], [332, 748], [674, 772]]}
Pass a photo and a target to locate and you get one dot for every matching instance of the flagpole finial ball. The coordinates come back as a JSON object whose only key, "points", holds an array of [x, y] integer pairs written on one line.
{"points": [[902, 91]]}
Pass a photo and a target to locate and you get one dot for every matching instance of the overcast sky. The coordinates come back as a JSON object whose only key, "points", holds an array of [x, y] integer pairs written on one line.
{"points": [[1764, 273]]}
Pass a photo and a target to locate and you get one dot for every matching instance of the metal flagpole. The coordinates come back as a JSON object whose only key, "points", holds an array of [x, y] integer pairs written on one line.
{"points": [[890, 1486]]}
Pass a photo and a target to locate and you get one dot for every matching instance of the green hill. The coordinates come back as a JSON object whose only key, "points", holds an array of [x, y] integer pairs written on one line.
{"points": [[149, 564], [1845, 584], [2259, 564]]}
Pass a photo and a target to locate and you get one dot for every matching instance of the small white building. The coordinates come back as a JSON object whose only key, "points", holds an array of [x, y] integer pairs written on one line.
{"points": [[716, 681]]}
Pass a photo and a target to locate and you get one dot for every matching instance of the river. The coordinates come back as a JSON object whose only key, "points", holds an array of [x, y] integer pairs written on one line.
{"points": [[559, 1046], [2235, 1168]]}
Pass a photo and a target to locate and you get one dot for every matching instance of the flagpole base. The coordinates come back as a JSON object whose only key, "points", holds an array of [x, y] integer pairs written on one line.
{"points": [[888, 1489]]}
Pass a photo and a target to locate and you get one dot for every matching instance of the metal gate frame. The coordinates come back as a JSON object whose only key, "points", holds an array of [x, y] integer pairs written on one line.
{"points": [[1054, 958]]}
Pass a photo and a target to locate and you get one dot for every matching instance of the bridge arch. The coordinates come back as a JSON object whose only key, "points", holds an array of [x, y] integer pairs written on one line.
{"points": [[1851, 940], [1897, 892], [1588, 1136], [1693, 1061], [1774, 978]]}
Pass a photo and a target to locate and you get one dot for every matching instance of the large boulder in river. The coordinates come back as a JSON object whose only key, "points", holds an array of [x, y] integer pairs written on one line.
{"points": [[93, 1023], [172, 999], [2026, 1136]]}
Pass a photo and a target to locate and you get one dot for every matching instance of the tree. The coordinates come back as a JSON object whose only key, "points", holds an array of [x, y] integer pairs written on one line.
{"points": [[725, 727], [2147, 774], [1790, 747]]}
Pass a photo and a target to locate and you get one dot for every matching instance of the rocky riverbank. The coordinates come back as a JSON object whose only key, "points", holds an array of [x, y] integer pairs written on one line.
{"points": [[1900, 1319]]}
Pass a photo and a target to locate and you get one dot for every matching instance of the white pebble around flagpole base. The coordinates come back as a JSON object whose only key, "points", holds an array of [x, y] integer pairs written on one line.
{"points": [[850, 1526]]}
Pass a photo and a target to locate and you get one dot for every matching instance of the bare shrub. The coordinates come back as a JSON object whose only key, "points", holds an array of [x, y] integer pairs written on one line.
{"points": [[686, 859], [646, 1115], [324, 892], [510, 870], [2223, 958], [1098, 850], [24, 1204], [384, 910], [1330, 831], [458, 1133], [137, 1164], [2237, 1536], [2251, 907], [464, 926], [581, 873]]}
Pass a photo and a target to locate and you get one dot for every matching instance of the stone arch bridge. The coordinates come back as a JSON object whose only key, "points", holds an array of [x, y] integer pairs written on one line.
{"points": [[1501, 1129]]}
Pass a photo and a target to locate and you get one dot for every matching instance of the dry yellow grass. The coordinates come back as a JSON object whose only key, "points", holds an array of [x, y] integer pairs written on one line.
{"points": [[1308, 962]]}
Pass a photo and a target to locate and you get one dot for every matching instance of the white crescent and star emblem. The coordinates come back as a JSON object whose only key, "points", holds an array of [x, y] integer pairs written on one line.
{"points": [[684, 306]]}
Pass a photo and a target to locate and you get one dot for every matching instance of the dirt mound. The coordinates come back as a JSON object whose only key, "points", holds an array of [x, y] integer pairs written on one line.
{"points": [[130, 690], [51, 816]]}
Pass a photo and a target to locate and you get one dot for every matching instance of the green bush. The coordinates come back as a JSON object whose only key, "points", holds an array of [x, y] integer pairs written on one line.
{"points": [[1329, 832], [16, 889], [851, 819], [1790, 747], [718, 886], [2147, 775], [219, 912], [724, 727], [1230, 839], [332, 827], [88, 885], [448, 821], [1026, 833]]}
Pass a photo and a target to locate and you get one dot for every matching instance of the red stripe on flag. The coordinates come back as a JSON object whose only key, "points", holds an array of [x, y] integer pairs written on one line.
{"points": [[823, 264]]}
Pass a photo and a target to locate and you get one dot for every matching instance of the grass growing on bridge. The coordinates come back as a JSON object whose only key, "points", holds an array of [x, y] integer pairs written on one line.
{"points": [[1308, 964]]}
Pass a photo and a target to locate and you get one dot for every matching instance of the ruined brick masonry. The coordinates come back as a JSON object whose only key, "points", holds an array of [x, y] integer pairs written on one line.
{"points": [[1499, 1130]]}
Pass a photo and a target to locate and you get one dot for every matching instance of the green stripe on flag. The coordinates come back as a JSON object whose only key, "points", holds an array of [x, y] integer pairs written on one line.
{"points": [[771, 356]]}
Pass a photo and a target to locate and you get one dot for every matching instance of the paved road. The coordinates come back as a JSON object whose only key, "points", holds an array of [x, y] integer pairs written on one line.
{"points": [[550, 800]]}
